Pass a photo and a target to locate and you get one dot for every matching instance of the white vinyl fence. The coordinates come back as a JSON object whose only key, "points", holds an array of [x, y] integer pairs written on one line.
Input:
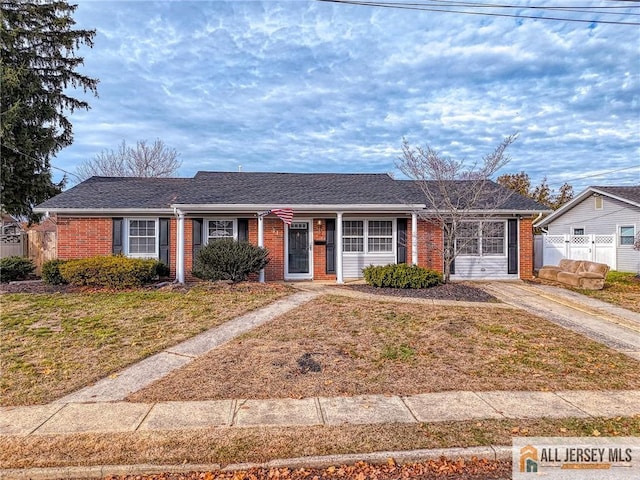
{"points": [[596, 248]]}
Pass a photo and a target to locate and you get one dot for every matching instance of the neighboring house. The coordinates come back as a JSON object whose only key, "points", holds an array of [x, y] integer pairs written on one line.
{"points": [[599, 212], [341, 224]]}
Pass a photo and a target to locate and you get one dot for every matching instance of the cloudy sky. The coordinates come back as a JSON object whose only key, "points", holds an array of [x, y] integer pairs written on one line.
{"points": [[308, 86]]}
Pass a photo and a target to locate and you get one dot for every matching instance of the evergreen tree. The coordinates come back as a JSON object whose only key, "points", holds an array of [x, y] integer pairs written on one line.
{"points": [[39, 66]]}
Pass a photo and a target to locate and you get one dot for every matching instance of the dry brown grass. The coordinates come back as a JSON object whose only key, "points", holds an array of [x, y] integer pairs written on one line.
{"points": [[226, 445], [620, 288], [53, 344], [366, 347]]}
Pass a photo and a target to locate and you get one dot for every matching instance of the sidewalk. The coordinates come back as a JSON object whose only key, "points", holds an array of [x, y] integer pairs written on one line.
{"points": [[608, 324], [113, 417]]}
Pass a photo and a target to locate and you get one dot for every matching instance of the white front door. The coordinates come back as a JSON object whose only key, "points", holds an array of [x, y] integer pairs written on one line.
{"points": [[298, 259]]}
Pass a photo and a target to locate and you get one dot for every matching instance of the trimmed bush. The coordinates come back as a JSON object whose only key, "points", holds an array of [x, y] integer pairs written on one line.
{"points": [[162, 270], [110, 272], [51, 272], [401, 276], [227, 259], [15, 268]]}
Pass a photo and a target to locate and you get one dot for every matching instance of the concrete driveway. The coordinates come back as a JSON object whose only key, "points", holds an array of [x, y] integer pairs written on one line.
{"points": [[616, 327]]}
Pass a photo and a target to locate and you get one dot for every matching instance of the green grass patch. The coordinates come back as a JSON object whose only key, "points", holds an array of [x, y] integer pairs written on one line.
{"points": [[53, 344]]}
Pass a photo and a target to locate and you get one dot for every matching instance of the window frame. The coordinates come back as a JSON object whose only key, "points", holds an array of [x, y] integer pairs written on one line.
{"points": [[598, 199], [127, 237], [369, 236], [480, 239], [205, 230], [573, 231], [633, 236], [365, 236]]}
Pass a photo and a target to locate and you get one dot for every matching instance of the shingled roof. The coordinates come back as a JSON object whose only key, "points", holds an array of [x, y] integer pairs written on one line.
{"points": [[256, 188], [119, 192], [630, 193]]}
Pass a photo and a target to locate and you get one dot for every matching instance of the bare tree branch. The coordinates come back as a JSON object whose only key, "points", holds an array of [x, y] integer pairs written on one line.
{"points": [[155, 160], [456, 192]]}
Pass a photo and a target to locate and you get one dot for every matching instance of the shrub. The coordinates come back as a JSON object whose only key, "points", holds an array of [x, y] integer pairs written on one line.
{"points": [[51, 272], [162, 270], [227, 259], [401, 276], [111, 272], [15, 268]]}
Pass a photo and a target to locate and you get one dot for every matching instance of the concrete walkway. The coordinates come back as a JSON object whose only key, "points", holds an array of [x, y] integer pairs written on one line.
{"points": [[113, 417], [139, 375], [613, 326]]}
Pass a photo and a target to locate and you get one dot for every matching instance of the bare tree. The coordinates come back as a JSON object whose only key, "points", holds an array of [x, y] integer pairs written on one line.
{"points": [[154, 160], [457, 194]]}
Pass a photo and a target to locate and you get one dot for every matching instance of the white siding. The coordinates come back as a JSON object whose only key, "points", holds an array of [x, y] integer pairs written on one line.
{"points": [[476, 268], [604, 222], [352, 264]]}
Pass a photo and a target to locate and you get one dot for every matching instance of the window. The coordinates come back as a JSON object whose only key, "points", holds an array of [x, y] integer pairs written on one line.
{"points": [[379, 236], [627, 235], [467, 238], [598, 202], [480, 238], [142, 238], [217, 229], [353, 236], [578, 231], [493, 238]]}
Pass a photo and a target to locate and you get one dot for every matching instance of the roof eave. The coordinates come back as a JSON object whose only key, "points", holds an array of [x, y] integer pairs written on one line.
{"points": [[104, 211], [231, 208]]}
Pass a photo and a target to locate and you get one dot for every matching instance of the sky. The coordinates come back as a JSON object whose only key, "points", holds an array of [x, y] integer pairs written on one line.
{"points": [[309, 86]]}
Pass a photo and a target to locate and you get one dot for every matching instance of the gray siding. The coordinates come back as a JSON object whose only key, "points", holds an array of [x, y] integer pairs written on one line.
{"points": [[476, 268], [614, 214], [352, 264]]}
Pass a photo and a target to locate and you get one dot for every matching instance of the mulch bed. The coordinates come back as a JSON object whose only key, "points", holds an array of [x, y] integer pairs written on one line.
{"points": [[448, 291]]}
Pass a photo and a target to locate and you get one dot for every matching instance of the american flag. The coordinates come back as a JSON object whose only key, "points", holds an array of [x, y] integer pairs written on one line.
{"points": [[284, 214]]}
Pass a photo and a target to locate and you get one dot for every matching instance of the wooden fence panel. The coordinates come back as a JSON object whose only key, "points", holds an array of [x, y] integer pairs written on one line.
{"points": [[42, 247]]}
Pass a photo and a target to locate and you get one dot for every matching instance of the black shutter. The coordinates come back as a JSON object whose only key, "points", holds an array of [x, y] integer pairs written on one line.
{"points": [[512, 245], [331, 246], [450, 248], [164, 241], [402, 240], [243, 229], [197, 236], [118, 234]]}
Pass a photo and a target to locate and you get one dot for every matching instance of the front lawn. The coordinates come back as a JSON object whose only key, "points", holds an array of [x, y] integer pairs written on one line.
{"points": [[53, 344], [620, 288], [337, 346]]}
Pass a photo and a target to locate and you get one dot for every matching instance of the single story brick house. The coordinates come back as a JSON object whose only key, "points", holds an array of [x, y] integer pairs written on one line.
{"points": [[341, 224]]}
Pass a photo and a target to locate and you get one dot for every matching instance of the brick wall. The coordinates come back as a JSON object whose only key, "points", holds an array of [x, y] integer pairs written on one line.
{"points": [[84, 237], [274, 242], [429, 245], [320, 251], [526, 248]]}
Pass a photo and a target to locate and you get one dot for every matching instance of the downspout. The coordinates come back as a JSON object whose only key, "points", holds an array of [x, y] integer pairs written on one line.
{"points": [[179, 246]]}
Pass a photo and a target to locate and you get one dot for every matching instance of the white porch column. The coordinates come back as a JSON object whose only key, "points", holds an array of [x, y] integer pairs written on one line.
{"points": [[180, 248], [261, 243], [339, 278], [414, 238]]}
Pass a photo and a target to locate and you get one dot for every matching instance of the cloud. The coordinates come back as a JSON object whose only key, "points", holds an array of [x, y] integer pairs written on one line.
{"points": [[310, 86]]}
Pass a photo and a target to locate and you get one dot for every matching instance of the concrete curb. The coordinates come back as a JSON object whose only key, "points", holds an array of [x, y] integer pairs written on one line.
{"points": [[491, 452]]}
